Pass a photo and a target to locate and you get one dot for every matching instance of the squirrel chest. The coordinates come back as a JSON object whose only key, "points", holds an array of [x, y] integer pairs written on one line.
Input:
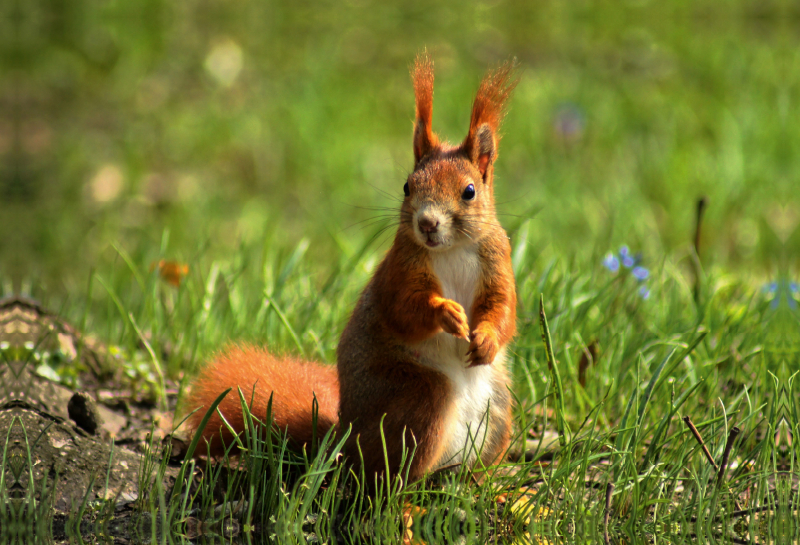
{"points": [[458, 272]]}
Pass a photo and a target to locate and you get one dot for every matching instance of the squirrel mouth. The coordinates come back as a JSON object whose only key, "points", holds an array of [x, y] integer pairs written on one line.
{"points": [[430, 243]]}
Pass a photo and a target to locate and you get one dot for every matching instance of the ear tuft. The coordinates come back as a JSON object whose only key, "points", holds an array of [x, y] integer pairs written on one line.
{"points": [[424, 138], [488, 111]]}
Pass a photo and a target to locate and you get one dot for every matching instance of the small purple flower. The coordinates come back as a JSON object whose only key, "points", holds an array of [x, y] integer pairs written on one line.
{"points": [[640, 273], [628, 259], [793, 287], [611, 263]]}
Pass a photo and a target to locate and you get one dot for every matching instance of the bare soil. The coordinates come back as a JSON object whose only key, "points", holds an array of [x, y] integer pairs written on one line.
{"points": [[58, 440]]}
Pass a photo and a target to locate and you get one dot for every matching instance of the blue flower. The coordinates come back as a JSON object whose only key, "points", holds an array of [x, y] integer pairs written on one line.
{"points": [[628, 259], [625, 258], [640, 273], [611, 262]]}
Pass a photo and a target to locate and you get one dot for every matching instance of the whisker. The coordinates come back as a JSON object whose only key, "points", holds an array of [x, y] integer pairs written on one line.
{"points": [[382, 222], [377, 234], [463, 232], [385, 193], [471, 221], [377, 208], [507, 214], [387, 226], [515, 199], [384, 215], [369, 221], [386, 237]]}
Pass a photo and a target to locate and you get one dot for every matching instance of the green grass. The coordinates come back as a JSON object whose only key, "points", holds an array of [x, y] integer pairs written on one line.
{"points": [[272, 190], [24, 502], [726, 360]]}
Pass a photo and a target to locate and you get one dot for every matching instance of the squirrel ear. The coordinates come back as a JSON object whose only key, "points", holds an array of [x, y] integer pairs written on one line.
{"points": [[482, 150], [488, 111], [424, 138]]}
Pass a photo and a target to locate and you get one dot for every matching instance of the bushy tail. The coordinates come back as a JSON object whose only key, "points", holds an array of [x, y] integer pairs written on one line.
{"points": [[292, 382]]}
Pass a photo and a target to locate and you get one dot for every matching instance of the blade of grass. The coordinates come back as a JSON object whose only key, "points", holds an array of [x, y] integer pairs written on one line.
{"points": [[561, 423]]}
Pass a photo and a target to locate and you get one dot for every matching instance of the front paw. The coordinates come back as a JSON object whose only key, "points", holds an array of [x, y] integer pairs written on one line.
{"points": [[452, 319], [483, 348]]}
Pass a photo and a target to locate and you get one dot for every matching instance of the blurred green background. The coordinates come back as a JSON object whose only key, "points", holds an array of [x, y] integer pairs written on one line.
{"points": [[224, 123]]}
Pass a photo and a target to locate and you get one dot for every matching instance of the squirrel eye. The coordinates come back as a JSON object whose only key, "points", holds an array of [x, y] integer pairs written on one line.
{"points": [[405, 190], [469, 193]]}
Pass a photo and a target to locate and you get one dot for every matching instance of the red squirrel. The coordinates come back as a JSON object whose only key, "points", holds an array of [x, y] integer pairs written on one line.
{"points": [[423, 355]]}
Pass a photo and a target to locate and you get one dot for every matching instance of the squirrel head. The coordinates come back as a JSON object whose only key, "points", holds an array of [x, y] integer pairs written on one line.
{"points": [[449, 197]]}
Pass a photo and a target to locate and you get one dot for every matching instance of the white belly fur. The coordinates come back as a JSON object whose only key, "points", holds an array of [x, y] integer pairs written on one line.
{"points": [[458, 272]]}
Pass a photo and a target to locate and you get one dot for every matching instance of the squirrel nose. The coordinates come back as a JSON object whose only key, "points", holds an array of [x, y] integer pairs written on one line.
{"points": [[427, 225]]}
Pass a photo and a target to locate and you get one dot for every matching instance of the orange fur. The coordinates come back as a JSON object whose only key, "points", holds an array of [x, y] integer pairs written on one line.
{"points": [[424, 138], [491, 99], [422, 356], [292, 382], [488, 110]]}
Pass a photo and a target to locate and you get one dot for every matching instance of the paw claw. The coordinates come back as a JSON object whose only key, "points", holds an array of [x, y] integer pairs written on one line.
{"points": [[483, 348]]}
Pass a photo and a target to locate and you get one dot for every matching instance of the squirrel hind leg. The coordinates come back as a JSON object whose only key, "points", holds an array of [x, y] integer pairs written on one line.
{"points": [[292, 384]]}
